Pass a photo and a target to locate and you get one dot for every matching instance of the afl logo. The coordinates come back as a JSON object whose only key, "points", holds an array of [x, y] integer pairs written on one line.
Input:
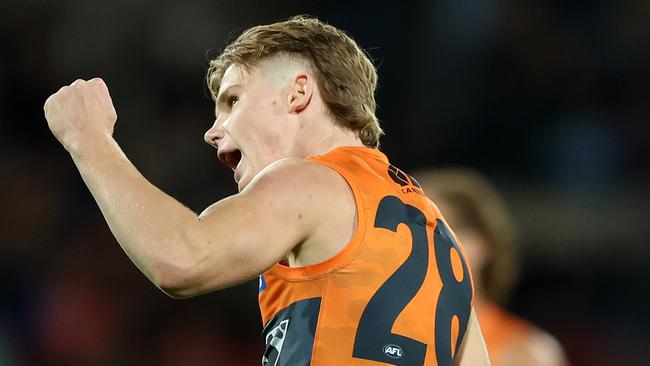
{"points": [[393, 351]]}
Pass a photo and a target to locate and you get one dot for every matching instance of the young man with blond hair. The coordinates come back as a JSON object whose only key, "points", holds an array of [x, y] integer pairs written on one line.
{"points": [[356, 266]]}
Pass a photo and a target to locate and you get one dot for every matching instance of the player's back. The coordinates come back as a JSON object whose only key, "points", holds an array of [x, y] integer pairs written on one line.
{"points": [[399, 293]]}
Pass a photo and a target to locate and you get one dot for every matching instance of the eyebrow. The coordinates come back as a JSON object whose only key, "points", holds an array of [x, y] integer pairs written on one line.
{"points": [[221, 98]]}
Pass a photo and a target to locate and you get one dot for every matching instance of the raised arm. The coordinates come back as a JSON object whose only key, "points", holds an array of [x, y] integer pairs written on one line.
{"points": [[182, 253]]}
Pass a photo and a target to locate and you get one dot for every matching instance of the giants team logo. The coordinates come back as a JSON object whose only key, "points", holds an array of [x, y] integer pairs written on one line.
{"points": [[407, 182], [398, 176], [274, 342]]}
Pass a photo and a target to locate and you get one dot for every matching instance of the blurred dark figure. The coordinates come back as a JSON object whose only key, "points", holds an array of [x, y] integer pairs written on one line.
{"points": [[481, 221]]}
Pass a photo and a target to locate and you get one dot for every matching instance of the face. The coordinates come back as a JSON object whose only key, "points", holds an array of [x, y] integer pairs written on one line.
{"points": [[253, 127]]}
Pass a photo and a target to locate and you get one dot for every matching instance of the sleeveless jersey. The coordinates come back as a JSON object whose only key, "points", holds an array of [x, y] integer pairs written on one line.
{"points": [[399, 293]]}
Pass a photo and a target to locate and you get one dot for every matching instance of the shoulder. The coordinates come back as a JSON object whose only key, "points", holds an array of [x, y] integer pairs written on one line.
{"points": [[295, 176], [287, 203], [302, 186], [317, 201]]}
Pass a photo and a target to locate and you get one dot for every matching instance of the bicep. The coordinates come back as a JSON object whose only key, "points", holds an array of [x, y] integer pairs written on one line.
{"points": [[247, 236], [243, 235], [473, 351]]}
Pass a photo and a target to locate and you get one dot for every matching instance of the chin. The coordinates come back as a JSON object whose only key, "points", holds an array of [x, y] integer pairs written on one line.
{"points": [[247, 177], [243, 182]]}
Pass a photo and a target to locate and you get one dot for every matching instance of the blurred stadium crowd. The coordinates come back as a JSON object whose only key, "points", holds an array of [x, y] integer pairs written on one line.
{"points": [[548, 98]]}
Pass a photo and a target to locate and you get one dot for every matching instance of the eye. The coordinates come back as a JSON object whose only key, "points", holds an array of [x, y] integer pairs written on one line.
{"points": [[232, 100]]}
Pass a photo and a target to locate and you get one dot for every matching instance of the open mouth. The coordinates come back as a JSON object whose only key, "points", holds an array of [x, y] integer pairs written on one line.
{"points": [[230, 158]]}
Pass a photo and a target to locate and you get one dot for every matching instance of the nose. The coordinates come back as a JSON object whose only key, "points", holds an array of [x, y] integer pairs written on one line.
{"points": [[214, 134]]}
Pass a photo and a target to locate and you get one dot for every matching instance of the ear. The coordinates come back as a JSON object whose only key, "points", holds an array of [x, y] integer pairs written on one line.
{"points": [[301, 90]]}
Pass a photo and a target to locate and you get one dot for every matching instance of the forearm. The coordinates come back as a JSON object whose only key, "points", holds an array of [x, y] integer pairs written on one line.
{"points": [[148, 224]]}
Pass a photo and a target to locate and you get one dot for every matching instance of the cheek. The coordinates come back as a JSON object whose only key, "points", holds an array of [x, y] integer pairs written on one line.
{"points": [[242, 127], [262, 131]]}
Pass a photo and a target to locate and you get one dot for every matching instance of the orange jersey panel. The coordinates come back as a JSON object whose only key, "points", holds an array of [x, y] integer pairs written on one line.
{"points": [[501, 330], [399, 293]]}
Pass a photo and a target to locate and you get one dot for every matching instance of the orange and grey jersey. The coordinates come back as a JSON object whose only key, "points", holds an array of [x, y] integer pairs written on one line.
{"points": [[399, 293]]}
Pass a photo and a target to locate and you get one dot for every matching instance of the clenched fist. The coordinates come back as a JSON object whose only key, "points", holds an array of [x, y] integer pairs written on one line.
{"points": [[80, 112]]}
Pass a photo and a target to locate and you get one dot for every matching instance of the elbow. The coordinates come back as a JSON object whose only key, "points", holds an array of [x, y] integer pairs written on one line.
{"points": [[178, 282], [177, 292], [192, 269]]}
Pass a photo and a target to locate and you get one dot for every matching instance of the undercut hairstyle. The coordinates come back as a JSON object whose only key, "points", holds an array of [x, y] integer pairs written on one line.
{"points": [[345, 75], [472, 202]]}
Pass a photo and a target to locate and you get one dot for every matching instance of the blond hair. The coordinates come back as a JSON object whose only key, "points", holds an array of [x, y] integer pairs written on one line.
{"points": [[346, 77]]}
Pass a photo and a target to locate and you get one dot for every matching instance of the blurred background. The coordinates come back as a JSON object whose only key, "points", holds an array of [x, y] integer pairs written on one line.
{"points": [[549, 99]]}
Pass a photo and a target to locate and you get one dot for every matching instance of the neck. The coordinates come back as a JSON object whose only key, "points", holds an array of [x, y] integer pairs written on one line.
{"points": [[329, 136]]}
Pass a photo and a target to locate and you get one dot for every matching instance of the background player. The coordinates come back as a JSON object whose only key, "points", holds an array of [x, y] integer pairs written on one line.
{"points": [[321, 212], [474, 209]]}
